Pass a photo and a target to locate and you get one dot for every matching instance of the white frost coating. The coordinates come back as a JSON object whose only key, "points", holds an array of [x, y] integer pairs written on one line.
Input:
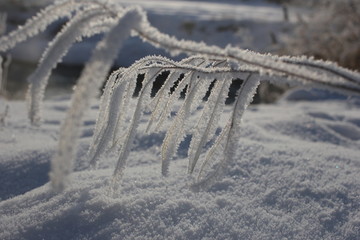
{"points": [[196, 90], [60, 9], [88, 83], [103, 115], [127, 106], [229, 140], [73, 31], [158, 103], [273, 65], [199, 79], [331, 67], [173, 97], [38, 23], [265, 64], [128, 141], [107, 118], [202, 86], [116, 107], [207, 123], [214, 153], [176, 132]]}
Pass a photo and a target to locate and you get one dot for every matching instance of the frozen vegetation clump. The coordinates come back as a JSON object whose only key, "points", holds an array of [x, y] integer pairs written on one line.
{"points": [[330, 32], [203, 79]]}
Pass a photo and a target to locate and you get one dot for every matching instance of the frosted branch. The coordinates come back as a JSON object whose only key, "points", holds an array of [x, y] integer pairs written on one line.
{"points": [[88, 84]]}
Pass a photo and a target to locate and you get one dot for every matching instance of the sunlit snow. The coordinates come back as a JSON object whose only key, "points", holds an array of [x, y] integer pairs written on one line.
{"points": [[295, 174]]}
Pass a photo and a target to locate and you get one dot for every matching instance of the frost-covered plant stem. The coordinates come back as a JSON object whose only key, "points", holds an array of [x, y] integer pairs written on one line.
{"points": [[74, 30], [89, 82], [263, 63], [130, 135], [229, 137]]}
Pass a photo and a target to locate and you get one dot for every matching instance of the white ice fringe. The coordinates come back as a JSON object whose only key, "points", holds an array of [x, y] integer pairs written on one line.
{"points": [[227, 142], [208, 121], [78, 27], [38, 24], [88, 83]]}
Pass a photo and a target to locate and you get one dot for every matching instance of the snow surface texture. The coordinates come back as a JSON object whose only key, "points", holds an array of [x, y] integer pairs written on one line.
{"points": [[296, 176], [268, 193]]}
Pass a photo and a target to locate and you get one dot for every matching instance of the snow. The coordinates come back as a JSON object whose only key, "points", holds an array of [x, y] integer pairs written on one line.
{"points": [[248, 25], [210, 10], [295, 175]]}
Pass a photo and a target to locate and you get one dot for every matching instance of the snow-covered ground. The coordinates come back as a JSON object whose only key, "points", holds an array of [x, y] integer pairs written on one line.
{"points": [[295, 175]]}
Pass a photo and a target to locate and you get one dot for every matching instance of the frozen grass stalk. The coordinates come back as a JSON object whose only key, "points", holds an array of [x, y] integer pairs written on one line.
{"points": [[88, 84]]}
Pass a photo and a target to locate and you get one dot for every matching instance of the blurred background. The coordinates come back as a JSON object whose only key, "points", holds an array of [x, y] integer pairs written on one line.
{"points": [[325, 29]]}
